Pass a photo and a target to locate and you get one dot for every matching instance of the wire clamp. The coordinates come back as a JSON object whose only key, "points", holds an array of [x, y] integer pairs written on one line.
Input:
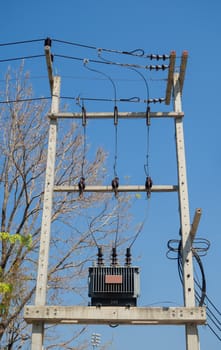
{"points": [[148, 186], [115, 185], [81, 186]]}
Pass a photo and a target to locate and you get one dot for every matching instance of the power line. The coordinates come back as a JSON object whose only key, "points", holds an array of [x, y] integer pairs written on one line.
{"points": [[138, 52], [148, 67], [25, 100], [20, 42], [20, 58], [134, 99]]}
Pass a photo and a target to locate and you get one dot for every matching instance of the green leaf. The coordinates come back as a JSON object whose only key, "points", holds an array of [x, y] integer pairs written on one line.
{"points": [[5, 288]]}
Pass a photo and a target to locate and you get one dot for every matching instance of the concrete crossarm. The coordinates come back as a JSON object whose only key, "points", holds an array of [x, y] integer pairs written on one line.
{"points": [[129, 188], [121, 115], [115, 315]]}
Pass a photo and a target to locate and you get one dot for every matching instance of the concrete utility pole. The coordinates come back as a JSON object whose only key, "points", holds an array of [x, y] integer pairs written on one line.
{"points": [[40, 299], [188, 315], [192, 341]]}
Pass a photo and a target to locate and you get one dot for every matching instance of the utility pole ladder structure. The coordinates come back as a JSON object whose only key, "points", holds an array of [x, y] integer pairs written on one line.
{"points": [[188, 315]]}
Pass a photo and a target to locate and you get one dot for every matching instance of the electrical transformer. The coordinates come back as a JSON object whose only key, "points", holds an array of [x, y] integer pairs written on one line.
{"points": [[114, 285]]}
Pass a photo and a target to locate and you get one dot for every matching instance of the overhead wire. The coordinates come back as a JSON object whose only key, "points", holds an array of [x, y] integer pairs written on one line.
{"points": [[134, 99], [115, 116], [140, 229], [117, 227], [20, 58], [86, 62], [149, 67], [212, 318], [138, 52], [133, 52], [115, 151], [84, 141], [20, 42], [92, 223], [146, 166], [25, 100]]}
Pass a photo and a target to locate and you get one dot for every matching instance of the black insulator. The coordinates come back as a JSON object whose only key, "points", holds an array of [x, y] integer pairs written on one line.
{"points": [[81, 186], [114, 256], [148, 185], [148, 116], [115, 185], [165, 57], [163, 67], [128, 257], [115, 115], [52, 58], [48, 42], [100, 256], [84, 116]]}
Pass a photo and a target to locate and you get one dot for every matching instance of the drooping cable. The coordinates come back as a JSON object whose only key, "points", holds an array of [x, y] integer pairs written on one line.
{"points": [[84, 122], [93, 222], [203, 287], [86, 62], [140, 229], [177, 248], [115, 181], [81, 183], [212, 321], [115, 151], [117, 228], [201, 297], [146, 164], [148, 182]]}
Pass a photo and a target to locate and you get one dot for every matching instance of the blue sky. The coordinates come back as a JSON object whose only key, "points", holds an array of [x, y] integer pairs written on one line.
{"points": [[156, 27]]}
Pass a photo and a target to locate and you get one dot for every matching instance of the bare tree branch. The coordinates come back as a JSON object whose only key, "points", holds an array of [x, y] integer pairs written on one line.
{"points": [[76, 224]]}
